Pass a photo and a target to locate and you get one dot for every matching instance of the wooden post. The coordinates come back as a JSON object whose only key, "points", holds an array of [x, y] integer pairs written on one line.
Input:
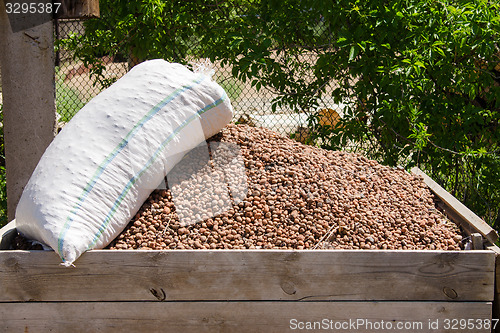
{"points": [[78, 9], [496, 300], [27, 58]]}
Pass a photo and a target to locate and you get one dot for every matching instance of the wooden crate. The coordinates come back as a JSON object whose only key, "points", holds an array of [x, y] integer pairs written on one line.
{"points": [[250, 290]]}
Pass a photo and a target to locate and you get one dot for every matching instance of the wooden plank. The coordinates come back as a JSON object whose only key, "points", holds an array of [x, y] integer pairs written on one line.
{"points": [[477, 241], [28, 89], [496, 301], [105, 275], [495, 249], [242, 316], [459, 208], [78, 9], [463, 223]]}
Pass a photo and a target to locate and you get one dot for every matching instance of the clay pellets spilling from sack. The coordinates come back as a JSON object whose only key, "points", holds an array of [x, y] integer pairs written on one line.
{"points": [[294, 196]]}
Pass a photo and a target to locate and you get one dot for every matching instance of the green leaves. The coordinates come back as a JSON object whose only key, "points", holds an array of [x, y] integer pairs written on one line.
{"points": [[420, 78]]}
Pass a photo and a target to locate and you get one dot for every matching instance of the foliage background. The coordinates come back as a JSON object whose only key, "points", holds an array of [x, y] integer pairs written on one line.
{"points": [[420, 79]]}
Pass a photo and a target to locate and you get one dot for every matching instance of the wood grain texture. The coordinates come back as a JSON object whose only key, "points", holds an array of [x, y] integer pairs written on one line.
{"points": [[457, 210], [477, 241], [7, 235], [201, 275], [496, 301], [235, 316]]}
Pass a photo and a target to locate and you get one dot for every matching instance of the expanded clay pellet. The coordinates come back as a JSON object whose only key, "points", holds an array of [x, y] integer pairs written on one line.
{"points": [[298, 197]]}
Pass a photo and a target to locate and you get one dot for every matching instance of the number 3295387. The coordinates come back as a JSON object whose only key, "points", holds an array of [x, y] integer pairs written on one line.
{"points": [[32, 7]]}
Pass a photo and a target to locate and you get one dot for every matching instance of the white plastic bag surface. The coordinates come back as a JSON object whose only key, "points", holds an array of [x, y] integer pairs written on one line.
{"points": [[103, 165]]}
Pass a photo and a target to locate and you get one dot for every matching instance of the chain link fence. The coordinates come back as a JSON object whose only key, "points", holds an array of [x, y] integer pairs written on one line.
{"points": [[75, 87]]}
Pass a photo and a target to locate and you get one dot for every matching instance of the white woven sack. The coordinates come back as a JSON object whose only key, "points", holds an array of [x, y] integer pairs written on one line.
{"points": [[103, 165]]}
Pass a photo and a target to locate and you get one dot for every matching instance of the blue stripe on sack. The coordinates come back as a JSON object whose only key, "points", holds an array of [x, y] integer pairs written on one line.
{"points": [[100, 169], [134, 179]]}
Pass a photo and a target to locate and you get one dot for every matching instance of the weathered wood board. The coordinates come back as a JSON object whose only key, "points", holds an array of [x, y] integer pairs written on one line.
{"points": [[457, 211], [78, 9], [496, 302], [471, 224], [242, 316], [243, 275]]}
